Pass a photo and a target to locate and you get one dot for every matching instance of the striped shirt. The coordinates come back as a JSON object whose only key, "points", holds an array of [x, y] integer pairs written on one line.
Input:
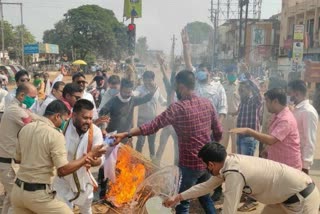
{"points": [[193, 118], [249, 110]]}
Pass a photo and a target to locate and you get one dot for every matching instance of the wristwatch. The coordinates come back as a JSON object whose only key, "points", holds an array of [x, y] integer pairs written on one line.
{"points": [[129, 135]]}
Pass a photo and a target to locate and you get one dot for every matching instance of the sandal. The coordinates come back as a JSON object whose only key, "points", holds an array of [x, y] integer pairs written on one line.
{"points": [[248, 207]]}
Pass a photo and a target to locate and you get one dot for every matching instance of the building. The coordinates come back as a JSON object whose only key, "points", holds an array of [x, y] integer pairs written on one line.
{"points": [[300, 12], [261, 46]]}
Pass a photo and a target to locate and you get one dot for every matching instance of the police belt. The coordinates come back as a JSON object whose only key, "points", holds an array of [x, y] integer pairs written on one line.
{"points": [[31, 187], [5, 160], [304, 193]]}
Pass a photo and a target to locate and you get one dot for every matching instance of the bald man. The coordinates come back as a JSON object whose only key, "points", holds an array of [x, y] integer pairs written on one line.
{"points": [[15, 116]]}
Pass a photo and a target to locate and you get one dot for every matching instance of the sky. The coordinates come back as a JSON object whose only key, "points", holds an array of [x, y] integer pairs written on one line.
{"points": [[160, 19]]}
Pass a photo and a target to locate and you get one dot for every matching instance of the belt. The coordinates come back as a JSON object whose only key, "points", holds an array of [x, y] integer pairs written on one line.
{"points": [[31, 187], [304, 193], [5, 160]]}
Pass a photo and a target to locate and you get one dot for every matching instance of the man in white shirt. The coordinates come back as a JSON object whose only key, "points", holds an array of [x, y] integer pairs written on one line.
{"points": [[3, 94], [20, 77], [213, 91], [81, 136], [112, 91], [282, 188], [148, 111], [80, 79], [307, 120], [56, 94]]}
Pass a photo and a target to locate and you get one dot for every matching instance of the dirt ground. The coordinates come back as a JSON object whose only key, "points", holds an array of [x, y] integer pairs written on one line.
{"points": [[168, 154]]}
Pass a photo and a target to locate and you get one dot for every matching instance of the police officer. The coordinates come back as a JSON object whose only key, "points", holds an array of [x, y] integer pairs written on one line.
{"points": [[41, 149], [282, 188]]}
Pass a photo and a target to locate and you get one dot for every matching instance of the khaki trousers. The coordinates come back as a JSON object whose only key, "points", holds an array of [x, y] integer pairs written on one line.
{"points": [[228, 123], [7, 176], [309, 205], [38, 202]]}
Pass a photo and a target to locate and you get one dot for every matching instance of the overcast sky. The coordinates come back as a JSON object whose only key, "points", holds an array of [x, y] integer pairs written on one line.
{"points": [[161, 19]]}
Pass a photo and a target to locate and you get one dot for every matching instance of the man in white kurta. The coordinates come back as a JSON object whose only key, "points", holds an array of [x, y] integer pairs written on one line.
{"points": [[77, 132]]}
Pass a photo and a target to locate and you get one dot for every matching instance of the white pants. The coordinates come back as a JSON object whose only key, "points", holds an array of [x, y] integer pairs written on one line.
{"points": [[308, 205], [228, 123], [7, 176], [84, 200]]}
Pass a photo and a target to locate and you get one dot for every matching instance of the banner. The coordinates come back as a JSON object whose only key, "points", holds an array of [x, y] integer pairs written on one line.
{"points": [[297, 52], [298, 32], [132, 8], [41, 48]]}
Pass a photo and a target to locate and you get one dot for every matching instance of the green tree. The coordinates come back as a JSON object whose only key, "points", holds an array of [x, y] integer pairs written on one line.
{"points": [[198, 32], [8, 35], [142, 47], [89, 29]]}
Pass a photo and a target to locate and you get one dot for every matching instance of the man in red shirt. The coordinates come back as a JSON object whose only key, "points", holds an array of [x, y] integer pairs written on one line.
{"points": [[194, 119]]}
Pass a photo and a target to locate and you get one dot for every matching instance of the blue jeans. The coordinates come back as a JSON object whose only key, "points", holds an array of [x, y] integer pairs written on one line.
{"points": [[190, 178], [246, 145]]}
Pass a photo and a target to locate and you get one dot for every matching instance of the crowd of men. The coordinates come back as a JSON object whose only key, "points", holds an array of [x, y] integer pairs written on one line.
{"points": [[52, 133]]}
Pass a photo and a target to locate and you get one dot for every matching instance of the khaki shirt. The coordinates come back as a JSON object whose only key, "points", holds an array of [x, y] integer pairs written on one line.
{"points": [[233, 98], [270, 182], [13, 119], [40, 148]]}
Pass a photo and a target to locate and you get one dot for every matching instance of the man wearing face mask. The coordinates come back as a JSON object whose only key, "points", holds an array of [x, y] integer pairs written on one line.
{"points": [[213, 91], [307, 121], [148, 111], [283, 189], [41, 151], [194, 119], [120, 108], [81, 137], [15, 116], [113, 90]]}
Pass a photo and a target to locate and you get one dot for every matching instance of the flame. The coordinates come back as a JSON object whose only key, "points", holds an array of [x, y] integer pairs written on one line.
{"points": [[129, 175]]}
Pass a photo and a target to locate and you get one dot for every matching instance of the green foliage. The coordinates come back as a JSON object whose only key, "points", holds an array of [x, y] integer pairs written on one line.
{"points": [[12, 39], [89, 29], [198, 32]]}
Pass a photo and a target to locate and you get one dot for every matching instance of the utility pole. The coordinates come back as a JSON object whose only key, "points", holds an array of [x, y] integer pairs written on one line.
{"points": [[240, 30], [22, 35], [21, 29], [214, 16], [2, 31], [173, 47], [245, 28], [212, 19]]}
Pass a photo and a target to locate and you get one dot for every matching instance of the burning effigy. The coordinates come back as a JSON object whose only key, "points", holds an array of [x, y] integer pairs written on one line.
{"points": [[138, 184]]}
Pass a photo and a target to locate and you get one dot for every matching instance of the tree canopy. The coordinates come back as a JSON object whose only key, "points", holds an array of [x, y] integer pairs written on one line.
{"points": [[89, 29], [12, 38], [198, 32], [142, 48]]}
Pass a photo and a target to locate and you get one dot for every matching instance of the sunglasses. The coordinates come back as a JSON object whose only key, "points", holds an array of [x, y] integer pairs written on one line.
{"points": [[81, 82], [25, 80], [77, 97]]}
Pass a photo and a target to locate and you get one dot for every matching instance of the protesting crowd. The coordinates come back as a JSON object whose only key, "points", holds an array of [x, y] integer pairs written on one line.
{"points": [[52, 134]]}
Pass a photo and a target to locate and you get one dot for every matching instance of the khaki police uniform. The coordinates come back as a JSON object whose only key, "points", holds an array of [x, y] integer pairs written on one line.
{"points": [[230, 122], [13, 119], [41, 149], [282, 188]]}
